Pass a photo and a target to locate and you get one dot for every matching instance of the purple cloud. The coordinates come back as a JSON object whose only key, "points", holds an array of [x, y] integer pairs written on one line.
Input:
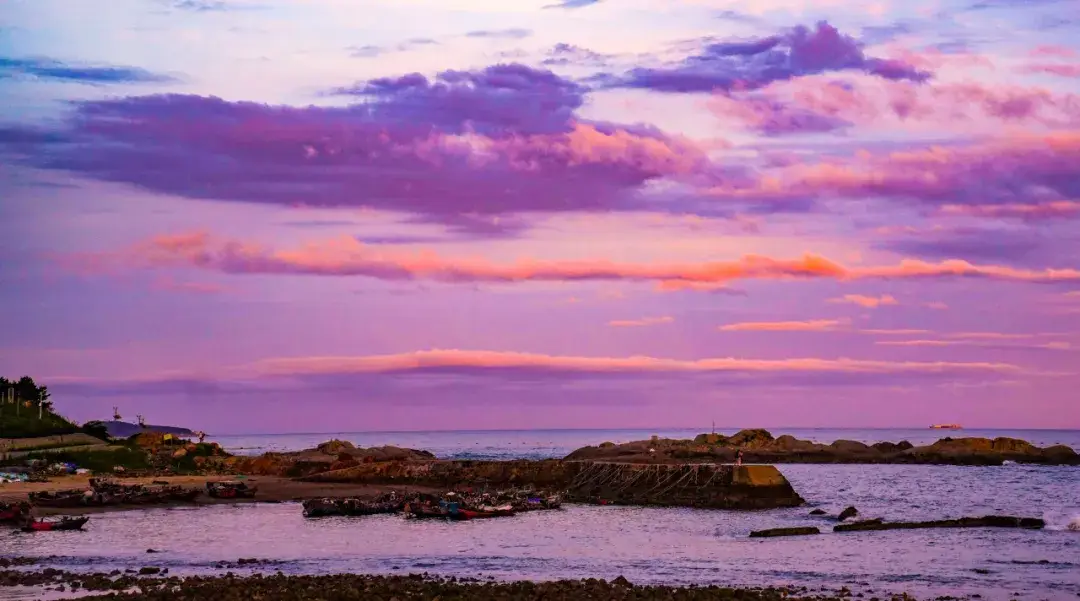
{"points": [[756, 63], [463, 150], [499, 100]]}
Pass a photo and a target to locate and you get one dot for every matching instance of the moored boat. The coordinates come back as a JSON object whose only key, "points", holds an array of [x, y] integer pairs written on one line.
{"points": [[13, 513], [66, 523], [231, 489]]}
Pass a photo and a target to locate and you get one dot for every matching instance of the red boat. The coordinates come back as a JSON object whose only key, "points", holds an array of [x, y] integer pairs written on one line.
{"points": [[63, 524], [13, 513], [231, 489]]}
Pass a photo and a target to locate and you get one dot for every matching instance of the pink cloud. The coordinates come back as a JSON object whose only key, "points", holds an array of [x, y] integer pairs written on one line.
{"points": [[937, 305], [1054, 346], [348, 257], [1053, 50], [1042, 210], [870, 302], [645, 321], [820, 103], [933, 59], [816, 325], [166, 283], [1061, 70], [1021, 168]]}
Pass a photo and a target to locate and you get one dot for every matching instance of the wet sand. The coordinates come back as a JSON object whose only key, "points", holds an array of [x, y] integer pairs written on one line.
{"points": [[271, 489]]}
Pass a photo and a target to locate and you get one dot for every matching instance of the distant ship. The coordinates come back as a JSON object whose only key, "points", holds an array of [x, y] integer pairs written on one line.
{"points": [[946, 427]]}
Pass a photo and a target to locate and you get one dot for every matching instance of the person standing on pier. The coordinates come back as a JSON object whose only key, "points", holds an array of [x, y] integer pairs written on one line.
{"points": [[738, 457]]}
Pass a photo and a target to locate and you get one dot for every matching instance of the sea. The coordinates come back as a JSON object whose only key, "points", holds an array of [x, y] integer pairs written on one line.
{"points": [[645, 545]]}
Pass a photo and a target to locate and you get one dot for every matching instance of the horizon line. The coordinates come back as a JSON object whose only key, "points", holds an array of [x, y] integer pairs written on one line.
{"points": [[778, 428]]}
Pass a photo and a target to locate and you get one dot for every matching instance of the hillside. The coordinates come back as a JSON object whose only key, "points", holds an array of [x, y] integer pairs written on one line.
{"points": [[118, 429]]}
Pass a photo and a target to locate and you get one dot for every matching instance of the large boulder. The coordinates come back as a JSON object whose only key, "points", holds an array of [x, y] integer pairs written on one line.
{"points": [[850, 447], [1014, 446], [789, 443], [335, 447]]}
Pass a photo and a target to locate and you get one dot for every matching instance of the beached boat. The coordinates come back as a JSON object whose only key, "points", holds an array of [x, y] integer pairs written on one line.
{"points": [[13, 513], [65, 523], [231, 489], [314, 508]]}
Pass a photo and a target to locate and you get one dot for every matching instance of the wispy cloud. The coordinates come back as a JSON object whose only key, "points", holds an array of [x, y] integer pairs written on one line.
{"points": [[993, 343], [513, 33], [816, 325], [869, 302], [645, 321], [95, 75], [895, 332], [573, 4], [370, 51]]}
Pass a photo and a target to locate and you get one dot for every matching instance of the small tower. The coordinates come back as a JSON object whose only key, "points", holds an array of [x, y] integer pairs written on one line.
{"points": [[142, 421], [116, 413]]}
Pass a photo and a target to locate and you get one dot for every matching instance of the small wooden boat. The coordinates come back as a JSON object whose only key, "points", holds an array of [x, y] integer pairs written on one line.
{"points": [[230, 489], [13, 513], [63, 524]]}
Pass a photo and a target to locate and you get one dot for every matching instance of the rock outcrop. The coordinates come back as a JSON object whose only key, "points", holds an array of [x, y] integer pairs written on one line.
{"points": [[775, 532], [706, 486], [328, 456], [759, 446], [990, 521]]}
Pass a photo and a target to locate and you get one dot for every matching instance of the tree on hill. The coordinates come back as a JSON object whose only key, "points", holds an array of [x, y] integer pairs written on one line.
{"points": [[26, 411]]}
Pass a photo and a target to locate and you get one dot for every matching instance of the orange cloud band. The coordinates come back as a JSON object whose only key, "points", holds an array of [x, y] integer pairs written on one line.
{"points": [[453, 358], [348, 257]]}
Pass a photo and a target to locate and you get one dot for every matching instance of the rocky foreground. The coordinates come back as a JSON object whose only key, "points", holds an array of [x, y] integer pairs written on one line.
{"points": [[347, 587], [759, 446]]}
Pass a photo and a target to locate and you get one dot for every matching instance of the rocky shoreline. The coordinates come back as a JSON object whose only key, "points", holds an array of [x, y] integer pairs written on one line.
{"points": [[139, 585], [759, 446]]}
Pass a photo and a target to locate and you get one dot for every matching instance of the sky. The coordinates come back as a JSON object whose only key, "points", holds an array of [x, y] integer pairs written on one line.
{"points": [[256, 216]]}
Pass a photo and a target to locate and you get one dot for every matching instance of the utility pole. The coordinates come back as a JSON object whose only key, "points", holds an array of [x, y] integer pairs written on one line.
{"points": [[116, 413]]}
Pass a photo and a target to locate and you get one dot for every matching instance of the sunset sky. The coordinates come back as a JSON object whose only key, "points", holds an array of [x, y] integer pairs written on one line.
{"points": [[332, 215]]}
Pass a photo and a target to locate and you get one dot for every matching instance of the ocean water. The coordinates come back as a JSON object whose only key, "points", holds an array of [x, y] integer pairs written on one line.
{"points": [[646, 545], [543, 444]]}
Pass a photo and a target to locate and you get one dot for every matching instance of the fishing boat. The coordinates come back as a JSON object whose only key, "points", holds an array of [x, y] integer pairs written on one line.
{"points": [[13, 513], [946, 427], [230, 489], [65, 523]]}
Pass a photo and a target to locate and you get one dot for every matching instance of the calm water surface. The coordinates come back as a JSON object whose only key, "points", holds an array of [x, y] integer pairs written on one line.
{"points": [[645, 544], [540, 444]]}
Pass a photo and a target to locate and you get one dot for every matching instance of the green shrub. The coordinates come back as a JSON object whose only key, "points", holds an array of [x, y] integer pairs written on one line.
{"points": [[95, 461]]}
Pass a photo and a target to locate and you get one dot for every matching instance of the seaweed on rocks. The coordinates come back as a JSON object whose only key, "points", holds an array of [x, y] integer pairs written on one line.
{"points": [[347, 587]]}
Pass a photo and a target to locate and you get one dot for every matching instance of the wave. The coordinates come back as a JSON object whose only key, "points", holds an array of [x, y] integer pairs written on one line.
{"points": [[1074, 524]]}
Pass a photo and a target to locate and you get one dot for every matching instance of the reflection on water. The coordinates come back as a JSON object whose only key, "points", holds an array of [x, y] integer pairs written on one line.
{"points": [[643, 544]]}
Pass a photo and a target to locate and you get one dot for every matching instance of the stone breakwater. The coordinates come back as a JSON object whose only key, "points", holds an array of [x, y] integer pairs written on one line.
{"points": [[684, 485], [759, 446]]}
